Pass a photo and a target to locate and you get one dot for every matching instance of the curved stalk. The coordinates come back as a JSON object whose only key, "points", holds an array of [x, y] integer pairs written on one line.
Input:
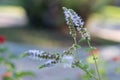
{"points": [[89, 73], [96, 65]]}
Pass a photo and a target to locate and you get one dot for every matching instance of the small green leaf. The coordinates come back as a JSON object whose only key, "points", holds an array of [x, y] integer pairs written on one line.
{"points": [[90, 49], [3, 49], [86, 66], [77, 46], [82, 40], [95, 58], [24, 73], [7, 78], [117, 70], [10, 65], [2, 59], [41, 66], [24, 55]]}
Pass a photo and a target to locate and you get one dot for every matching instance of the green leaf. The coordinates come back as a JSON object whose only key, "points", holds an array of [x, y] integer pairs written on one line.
{"points": [[10, 65], [117, 70], [24, 73], [76, 46], [86, 77], [95, 58], [2, 59], [3, 49], [90, 49], [86, 66], [7, 78], [82, 40], [41, 66], [24, 55]]}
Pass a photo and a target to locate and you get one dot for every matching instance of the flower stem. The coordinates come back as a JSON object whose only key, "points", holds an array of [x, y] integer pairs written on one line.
{"points": [[75, 41], [96, 65], [89, 73]]}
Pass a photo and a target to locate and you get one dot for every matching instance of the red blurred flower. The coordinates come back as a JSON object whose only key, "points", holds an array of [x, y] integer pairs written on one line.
{"points": [[96, 52], [7, 74], [2, 39], [117, 58]]}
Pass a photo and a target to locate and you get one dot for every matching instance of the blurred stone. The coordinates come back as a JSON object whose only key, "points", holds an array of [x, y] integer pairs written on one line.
{"points": [[12, 16], [105, 24], [110, 52]]}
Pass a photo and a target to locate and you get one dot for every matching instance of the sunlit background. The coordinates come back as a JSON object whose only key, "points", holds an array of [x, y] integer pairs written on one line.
{"points": [[40, 24]]}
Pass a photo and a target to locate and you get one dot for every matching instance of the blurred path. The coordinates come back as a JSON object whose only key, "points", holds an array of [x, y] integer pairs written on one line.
{"points": [[58, 72]]}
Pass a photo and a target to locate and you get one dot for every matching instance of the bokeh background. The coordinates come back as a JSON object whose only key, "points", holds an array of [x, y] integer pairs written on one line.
{"points": [[45, 20], [40, 24]]}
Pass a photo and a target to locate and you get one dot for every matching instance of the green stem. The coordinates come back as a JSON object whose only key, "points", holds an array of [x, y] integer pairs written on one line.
{"points": [[96, 65], [90, 74], [75, 40], [73, 31]]}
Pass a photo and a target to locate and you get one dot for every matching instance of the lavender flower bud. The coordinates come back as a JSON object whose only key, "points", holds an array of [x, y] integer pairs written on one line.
{"points": [[50, 63], [34, 53], [84, 33], [71, 15], [67, 60], [42, 55], [67, 15]]}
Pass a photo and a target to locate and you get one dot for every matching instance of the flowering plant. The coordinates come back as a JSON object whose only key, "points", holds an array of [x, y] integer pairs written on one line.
{"points": [[6, 59], [68, 58]]}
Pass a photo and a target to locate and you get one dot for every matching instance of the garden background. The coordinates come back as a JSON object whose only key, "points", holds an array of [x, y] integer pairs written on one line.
{"points": [[40, 24]]}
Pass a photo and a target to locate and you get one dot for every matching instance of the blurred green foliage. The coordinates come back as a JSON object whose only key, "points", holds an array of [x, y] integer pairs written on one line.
{"points": [[7, 59]]}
